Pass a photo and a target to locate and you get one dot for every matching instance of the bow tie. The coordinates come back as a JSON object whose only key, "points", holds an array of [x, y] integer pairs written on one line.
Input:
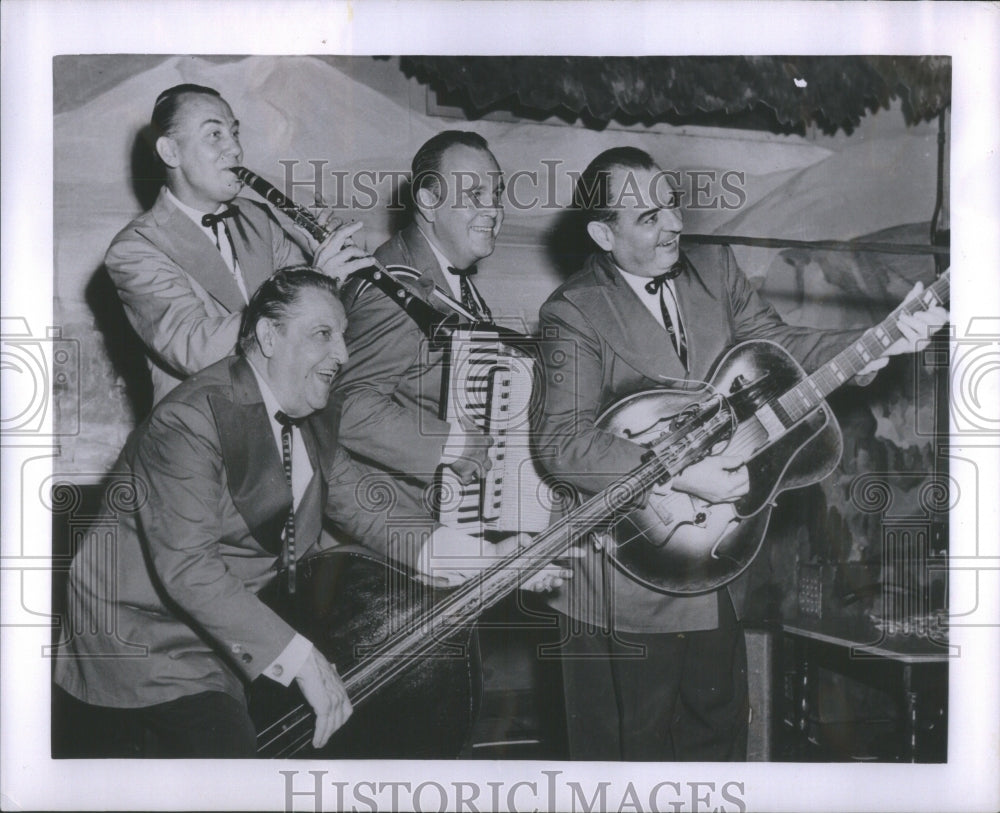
{"points": [[287, 421], [463, 272], [654, 285], [208, 221]]}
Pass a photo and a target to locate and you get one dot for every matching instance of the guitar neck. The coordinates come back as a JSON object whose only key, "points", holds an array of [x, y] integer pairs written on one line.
{"points": [[810, 393]]}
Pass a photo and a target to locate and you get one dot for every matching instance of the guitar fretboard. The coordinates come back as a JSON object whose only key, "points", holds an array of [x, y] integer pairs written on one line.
{"points": [[810, 392]]}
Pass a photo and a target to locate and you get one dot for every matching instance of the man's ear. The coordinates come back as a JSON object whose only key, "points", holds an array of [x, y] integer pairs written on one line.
{"points": [[266, 332], [601, 233], [166, 148]]}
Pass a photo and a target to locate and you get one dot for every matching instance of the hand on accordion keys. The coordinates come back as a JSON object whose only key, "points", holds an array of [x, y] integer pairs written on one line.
{"points": [[473, 461]]}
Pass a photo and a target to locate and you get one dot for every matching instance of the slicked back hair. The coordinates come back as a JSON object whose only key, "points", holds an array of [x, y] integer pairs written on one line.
{"points": [[426, 165], [276, 297], [592, 196], [169, 102]]}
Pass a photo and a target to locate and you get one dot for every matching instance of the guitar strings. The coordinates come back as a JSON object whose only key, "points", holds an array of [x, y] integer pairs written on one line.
{"points": [[463, 604]]}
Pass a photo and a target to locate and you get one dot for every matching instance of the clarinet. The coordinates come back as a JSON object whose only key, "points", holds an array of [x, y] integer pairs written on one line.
{"points": [[471, 354], [437, 326]]}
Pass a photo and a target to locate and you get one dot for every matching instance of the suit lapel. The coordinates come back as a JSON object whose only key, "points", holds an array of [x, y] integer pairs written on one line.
{"points": [[309, 511], [630, 329], [410, 249], [421, 257], [190, 248], [253, 245], [707, 338], [256, 474]]}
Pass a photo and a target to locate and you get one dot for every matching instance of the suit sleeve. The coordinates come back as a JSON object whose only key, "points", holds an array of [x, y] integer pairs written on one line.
{"points": [[385, 349], [286, 252], [179, 460], [361, 501], [568, 442], [163, 308], [753, 318]]}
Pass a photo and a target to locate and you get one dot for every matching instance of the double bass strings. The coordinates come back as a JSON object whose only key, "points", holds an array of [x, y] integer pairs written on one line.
{"points": [[458, 608], [462, 606]]}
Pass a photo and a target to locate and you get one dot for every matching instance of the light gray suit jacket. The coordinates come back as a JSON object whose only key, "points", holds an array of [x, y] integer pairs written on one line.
{"points": [[162, 593], [600, 343], [387, 397], [179, 294]]}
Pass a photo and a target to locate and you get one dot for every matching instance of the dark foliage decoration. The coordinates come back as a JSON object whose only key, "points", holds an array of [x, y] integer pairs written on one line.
{"points": [[831, 92]]}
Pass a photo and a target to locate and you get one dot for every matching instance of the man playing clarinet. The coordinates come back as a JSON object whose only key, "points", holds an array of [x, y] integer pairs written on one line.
{"points": [[186, 268]]}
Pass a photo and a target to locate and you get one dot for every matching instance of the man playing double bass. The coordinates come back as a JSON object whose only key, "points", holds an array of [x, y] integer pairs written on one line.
{"points": [[229, 479], [649, 676]]}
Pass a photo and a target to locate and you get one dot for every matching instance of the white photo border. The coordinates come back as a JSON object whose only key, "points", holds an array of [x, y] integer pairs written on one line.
{"points": [[34, 32]]}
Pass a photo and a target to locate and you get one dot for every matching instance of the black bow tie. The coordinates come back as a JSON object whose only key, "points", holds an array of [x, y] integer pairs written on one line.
{"points": [[208, 221], [463, 272], [653, 285], [287, 421]]}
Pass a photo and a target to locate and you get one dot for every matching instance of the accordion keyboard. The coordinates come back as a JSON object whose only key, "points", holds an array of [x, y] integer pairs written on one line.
{"points": [[489, 387]]}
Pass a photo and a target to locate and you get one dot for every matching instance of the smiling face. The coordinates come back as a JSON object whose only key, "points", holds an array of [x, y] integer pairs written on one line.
{"points": [[303, 351], [644, 237], [465, 220], [203, 143]]}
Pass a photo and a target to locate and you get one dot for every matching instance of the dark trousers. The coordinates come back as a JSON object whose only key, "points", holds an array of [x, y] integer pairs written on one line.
{"points": [[665, 697], [208, 724]]}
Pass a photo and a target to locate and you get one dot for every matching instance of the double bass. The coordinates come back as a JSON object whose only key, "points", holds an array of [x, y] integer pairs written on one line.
{"points": [[403, 648]]}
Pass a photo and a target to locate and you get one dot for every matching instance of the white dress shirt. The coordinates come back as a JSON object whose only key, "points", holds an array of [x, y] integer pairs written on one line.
{"points": [[225, 249], [652, 301], [287, 665]]}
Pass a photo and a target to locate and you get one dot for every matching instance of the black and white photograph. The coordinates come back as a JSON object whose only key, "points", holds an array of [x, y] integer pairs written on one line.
{"points": [[458, 407]]}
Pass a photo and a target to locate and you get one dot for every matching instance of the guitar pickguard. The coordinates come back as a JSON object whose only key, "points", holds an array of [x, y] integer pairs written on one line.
{"points": [[673, 544]]}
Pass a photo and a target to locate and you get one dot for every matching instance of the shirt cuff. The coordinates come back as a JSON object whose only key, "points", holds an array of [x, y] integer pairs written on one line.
{"points": [[286, 666]]}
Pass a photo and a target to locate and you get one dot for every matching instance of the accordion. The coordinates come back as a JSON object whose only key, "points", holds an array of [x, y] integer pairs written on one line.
{"points": [[489, 385]]}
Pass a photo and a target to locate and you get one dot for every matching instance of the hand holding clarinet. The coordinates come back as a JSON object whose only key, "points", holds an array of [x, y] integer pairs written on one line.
{"points": [[331, 239], [338, 256]]}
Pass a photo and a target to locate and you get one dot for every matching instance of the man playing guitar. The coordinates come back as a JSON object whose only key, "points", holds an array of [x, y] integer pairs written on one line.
{"points": [[649, 676]]}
